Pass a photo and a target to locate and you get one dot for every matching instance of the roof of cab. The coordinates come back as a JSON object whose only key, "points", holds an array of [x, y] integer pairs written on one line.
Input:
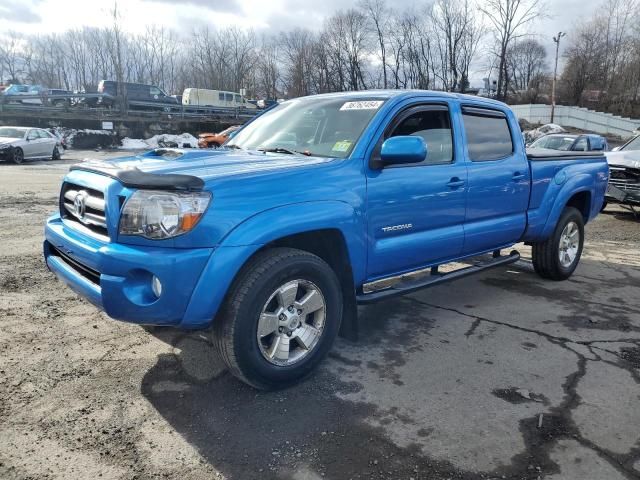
{"points": [[409, 93]]}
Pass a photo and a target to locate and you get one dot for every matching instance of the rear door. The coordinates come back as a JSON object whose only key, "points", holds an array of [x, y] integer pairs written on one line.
{"points": [[416, 211], [499, 180], [47, 142]]}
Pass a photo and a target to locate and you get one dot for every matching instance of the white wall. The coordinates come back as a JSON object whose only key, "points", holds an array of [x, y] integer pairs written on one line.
{"points": [[577, 117]]}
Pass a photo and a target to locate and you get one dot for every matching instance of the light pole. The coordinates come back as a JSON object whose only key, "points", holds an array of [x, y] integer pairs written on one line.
{"points": [[555, 73]]}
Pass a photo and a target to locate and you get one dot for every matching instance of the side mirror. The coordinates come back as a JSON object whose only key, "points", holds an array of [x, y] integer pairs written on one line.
{"points": [[615, 149], [403, 149]]}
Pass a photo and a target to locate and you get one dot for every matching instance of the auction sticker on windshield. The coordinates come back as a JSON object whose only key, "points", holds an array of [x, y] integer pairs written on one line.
{"points": [[362, 105], [342, 146]]}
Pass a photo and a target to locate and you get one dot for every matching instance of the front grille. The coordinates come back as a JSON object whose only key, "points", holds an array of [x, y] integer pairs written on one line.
{"points": [[85, 208], [87, 272], [625, 179]]}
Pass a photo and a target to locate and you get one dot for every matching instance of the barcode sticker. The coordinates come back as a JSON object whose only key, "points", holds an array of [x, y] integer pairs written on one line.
{"points": [[362, 105]]}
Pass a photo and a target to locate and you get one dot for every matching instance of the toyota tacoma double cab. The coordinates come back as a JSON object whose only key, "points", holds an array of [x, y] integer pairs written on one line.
{"points": [[318, 205]]}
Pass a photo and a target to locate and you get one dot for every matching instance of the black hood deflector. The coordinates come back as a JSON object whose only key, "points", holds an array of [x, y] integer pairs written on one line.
{"points": [[135, 178]]}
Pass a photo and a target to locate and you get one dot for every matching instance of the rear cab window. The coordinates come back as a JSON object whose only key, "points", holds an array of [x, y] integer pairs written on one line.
{"points": [[488, 134]]}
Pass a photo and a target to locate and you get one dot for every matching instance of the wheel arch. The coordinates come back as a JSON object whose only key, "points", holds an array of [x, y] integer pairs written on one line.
{"points": [[582, 202], [326, 229], [578, 192]]}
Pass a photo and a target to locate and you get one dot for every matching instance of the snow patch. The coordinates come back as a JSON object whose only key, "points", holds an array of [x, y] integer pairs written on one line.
{"points": [[536, 133], [184, 140]]}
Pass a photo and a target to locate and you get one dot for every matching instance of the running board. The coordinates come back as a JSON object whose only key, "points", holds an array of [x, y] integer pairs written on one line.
{"points": [[435, 278]]}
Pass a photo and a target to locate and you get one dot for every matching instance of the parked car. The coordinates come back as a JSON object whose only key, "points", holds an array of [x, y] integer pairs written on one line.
{"points": [[624, 181], [13, 93], [573, 143], [135, 92], [23, 143], [200, 97], [59, 102], [215, 140], [317, 205]]}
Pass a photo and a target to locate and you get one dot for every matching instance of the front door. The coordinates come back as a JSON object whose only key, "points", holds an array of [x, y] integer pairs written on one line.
{"points": [[31, 148], [416, 212], [499, 180]]}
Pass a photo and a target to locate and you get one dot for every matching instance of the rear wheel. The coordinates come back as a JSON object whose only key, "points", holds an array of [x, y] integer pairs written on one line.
{"points": [[280, 318], [18, 155], [558, 256]]}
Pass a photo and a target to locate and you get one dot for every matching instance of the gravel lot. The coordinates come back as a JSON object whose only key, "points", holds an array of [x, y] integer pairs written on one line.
{"points": [[501, 375]]}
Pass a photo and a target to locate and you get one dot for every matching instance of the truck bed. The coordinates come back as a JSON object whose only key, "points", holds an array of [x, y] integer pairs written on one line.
{"points": [[555, 177]]}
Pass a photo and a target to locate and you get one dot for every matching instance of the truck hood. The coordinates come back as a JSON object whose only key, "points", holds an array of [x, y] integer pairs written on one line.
{"points": [[630, 159], [206, 165]]}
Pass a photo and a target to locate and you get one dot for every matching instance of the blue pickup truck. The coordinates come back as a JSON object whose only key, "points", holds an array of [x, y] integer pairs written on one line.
{"points": [[316, 206]]}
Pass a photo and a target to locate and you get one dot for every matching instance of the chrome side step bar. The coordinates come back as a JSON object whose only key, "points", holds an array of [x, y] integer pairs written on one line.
{"points": [[436, 278]]}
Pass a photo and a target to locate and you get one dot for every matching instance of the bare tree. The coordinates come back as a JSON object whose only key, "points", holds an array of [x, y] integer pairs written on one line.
{"points": [[378, 15], [508, 19], [526, 61]]}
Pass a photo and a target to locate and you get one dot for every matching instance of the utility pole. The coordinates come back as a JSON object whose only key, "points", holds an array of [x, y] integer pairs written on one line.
{"points": [[555, 74]]}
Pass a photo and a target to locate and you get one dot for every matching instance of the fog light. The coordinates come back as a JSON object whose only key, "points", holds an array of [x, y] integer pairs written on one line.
{"points": [[156, 286]]}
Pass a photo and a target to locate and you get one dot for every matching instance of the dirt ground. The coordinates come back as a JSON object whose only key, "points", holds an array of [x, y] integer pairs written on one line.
{"points": [[502, 375]]}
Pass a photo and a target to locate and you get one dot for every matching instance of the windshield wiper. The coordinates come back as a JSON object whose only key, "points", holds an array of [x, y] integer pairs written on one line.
{"points": [[282, 150], [234, 146]]}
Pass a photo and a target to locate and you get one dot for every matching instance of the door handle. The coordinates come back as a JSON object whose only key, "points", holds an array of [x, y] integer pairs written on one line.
{"points": [[518, 176], [455, 182]]}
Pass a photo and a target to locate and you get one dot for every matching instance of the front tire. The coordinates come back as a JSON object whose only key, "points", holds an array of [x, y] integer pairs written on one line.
{"points": [[558, 256], [18, 155], [280, 318]]}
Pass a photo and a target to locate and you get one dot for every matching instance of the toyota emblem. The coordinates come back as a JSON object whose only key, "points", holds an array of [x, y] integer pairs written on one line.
{"points": [[80, 204]]}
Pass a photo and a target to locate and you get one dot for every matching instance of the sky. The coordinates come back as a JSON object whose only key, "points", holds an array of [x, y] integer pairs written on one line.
{"points": [[48, 16]]}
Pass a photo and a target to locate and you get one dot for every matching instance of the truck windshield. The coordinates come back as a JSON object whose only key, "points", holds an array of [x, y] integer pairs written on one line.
{"points": [[326, 127]]}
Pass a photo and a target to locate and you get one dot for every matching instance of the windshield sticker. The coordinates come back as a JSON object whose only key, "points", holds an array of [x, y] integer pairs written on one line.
{"points": [[363, 105], [342, 146]]}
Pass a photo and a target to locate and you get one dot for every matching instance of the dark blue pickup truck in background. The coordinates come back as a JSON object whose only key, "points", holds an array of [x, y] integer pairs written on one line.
{"points": [[316, 206]]}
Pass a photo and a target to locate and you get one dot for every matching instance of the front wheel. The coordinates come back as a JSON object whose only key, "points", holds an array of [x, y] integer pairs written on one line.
{"points": [[18, 155], [557, 257], [280, 318]]}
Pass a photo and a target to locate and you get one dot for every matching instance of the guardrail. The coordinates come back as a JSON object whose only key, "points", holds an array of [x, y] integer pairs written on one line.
{"points": [[136, 110], [578, 117]]}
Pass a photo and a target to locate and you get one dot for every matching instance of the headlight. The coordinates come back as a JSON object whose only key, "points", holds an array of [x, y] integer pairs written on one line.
{"points": [[160, 215]]}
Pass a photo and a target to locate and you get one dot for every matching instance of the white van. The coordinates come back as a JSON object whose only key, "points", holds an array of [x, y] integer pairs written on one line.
{"points": [[200, 97]]}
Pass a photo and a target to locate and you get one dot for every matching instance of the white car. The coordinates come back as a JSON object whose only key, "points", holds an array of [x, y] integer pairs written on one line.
{"points": [[23, 143], [624, 175]]}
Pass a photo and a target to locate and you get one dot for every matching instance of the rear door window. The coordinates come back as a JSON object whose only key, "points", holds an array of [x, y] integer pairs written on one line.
{"points": [[488, 134], [221, 97], [228, 97]]}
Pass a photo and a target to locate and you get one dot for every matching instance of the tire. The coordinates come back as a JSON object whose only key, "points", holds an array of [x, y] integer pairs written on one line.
{"points": [[252, 356], [56, 153], [547, 260], [18, 155]]}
